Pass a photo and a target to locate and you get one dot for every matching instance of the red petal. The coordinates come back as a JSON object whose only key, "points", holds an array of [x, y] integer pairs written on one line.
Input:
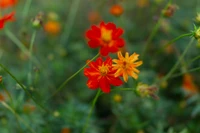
{"points": [[111, 26], [94, 43], [120, 42], [104, 85], [92, 84], [115, 81], [118, 32], [104, 51]]}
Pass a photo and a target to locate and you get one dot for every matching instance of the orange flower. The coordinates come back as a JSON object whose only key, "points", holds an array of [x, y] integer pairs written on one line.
{"points": [[107, 37], [116, 10], [188, 83], [101, 75], [7, 3], [94, 17], [8, 17], [126, 65], [52, 27]]}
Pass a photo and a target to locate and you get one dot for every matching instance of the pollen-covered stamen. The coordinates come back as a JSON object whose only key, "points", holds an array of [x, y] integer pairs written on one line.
{"points": [[103, 70], [106, 35]]}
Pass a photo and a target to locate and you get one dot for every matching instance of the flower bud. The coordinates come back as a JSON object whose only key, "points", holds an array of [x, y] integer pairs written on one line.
{"points": [[38, 20], [116, 10], [1, 78], [197, 19], [169, 12], [145, 90]]}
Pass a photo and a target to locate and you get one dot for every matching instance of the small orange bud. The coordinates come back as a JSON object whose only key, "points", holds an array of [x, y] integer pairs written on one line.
{"points": [[65, 130], [52, 27], [1, 79], [1, 97], [116, 10], [169, 12]]}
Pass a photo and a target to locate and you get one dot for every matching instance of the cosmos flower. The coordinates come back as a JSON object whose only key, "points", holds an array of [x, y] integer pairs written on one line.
{"points": [[126, 65], [106, 36], [100, 74], [4, 19]]}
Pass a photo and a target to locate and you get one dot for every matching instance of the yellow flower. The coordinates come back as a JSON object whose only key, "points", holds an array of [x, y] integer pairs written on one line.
{"points": [[117, 98], [126, 65]]}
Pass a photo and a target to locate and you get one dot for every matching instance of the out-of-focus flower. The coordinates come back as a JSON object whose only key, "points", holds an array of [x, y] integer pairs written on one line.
{"points": [[197, 18], [7, 3], [94, 17], [52, 16], [5, 18], [65, 130], [101, 75], [1, 78], [140, 131], [165, 25], [56, 114], [142, 3], [188, 84], [52, 27], [116, 10], [126, 65], [169, 12], [28, 108], [145, 90], [117, 98], [197, 33], [107, 37], [1, 97]]}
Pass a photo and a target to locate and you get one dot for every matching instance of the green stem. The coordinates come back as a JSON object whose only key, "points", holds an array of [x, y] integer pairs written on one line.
{"points": [[194, 59], [154, 31], [179, 74], [71, 77], [22, 86], [70, 21], [91, 110], [30, 54], [172, 41], [178, 62], [17, 116], [20, 45], [26, 8]]}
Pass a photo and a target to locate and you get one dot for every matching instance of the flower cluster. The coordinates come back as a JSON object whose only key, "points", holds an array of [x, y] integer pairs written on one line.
{"points": [[101, 74]]}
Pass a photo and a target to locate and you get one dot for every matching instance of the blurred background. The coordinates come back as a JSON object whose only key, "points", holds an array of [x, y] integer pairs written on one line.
{"points": [[60, 49]]}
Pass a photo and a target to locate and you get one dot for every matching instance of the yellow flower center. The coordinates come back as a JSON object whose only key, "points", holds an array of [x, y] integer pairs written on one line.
{"points": [[106, 35], [103, 70]]}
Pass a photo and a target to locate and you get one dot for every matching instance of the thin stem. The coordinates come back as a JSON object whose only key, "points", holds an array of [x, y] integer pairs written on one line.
{"points": [[17, 116], [20, 45], [178, 62], [70, 21], [172, 41], [71, 77], [194, 59], [22, 86], [179, 74], [26, 8], [91, 110], [154, 31], [30, 53]]}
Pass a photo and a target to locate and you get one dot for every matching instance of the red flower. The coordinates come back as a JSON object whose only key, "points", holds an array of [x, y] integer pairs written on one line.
{"points": [[100, 74], [8, 17], [7, 3], [106, 36]]}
